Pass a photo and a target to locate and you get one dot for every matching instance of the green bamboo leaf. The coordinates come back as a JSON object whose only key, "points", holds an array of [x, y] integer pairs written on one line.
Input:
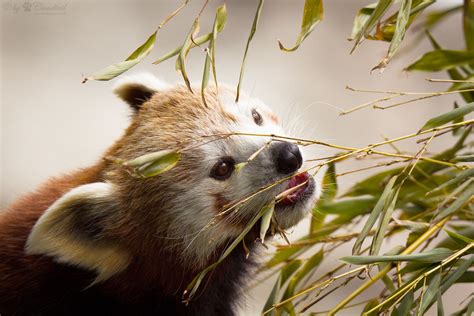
{"points": [[162, 164], [468, 20], [361, 18], [400, 29], [405, 305], [188, 43], [389, 207], [370, 304], [114, 70], [220, 19], [329, 185], [416, 227], [461, 176], [439, 305], [286, 272], [197, 42], [282, 255], [456, 274], [373, 216], [462, 240], [147, 158], [252, 33], [266, 220], [448, 117], [462, 199], [448, 242], [311, 265], [312, 15], [442, 59], [430, 294], [434, 255], [379, 10]]}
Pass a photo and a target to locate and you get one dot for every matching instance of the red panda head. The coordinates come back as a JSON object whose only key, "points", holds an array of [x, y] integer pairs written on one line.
{"points": [[102, 226]]}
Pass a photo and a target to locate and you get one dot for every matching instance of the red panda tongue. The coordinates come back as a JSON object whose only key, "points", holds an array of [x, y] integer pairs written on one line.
{"points": [[293, 182]]}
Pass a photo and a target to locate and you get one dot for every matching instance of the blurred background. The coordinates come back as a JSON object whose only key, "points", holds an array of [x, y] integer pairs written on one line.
{"points": [[51, 123]]}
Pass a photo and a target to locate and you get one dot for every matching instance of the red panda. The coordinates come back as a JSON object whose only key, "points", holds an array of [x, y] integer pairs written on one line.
{"points": [[100, 241]]}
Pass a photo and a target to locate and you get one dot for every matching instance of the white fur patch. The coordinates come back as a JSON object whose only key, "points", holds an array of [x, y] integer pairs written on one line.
{"points": [[146, 80], [53, 236]]}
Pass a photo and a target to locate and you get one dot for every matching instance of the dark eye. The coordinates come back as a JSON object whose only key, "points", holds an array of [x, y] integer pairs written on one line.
{"points": [[257, 117], [223, 169]]}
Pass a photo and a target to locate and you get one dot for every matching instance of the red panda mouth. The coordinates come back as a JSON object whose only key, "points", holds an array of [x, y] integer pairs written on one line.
{"points": [[305, 187]]}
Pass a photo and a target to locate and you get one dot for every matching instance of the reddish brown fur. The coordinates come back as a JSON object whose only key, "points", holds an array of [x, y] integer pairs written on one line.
{"points": [[156, 277]]}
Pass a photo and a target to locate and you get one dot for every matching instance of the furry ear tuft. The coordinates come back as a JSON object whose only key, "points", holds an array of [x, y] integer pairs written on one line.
{"points": [[137, 89], [71, 231]]}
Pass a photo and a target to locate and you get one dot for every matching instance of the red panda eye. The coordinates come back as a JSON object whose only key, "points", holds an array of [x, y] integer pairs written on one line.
{"points": [[223, 169], [257, 118]]}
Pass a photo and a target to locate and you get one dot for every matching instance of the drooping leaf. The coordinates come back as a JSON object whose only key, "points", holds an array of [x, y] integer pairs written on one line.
{"points": [[448, 117], [461, 176], [373, 216], [361, 18], [430, 294], [114, 70], [286, 272], [468, 24], [462, 199], [405, 305], [463, 240], [389, 207], [187, 45], [252, 33], [442, 59], [434, 255], [379, 10], [312, 15], [329, 192], [266, 220], [310, 265], [210, 61], [399, 34], [197, 41]]}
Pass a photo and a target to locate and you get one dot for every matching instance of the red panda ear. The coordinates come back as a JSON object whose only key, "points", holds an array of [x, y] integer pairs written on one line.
{"points": [[71, 231], [137, 89]]}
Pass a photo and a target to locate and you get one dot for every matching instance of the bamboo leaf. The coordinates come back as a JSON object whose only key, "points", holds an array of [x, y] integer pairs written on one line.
{"points": [[461, 176], [329, 185], [463, 240], [220, 19], [373, 216], [286, 272], [462, 199], [468, 20], [379, 10], [430, 294], [188, 43], [114, 70], [400, 29], [252, 33], [370, 304], [405, 305], [162, 164], [435, 17], [389, 207], [448, 117], [361, 18], [147, 158], [282, 255], [197, 41], [434, 255], [442, 59], [312, 15], [439, 307], [266, 220], [350, 207]]}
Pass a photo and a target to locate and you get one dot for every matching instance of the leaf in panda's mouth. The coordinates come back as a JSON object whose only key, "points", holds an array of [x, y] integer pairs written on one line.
{"points": [[297, 185]]}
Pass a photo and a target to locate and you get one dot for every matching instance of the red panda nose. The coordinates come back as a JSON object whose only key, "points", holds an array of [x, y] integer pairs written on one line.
{"points": [[287, 157]]}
